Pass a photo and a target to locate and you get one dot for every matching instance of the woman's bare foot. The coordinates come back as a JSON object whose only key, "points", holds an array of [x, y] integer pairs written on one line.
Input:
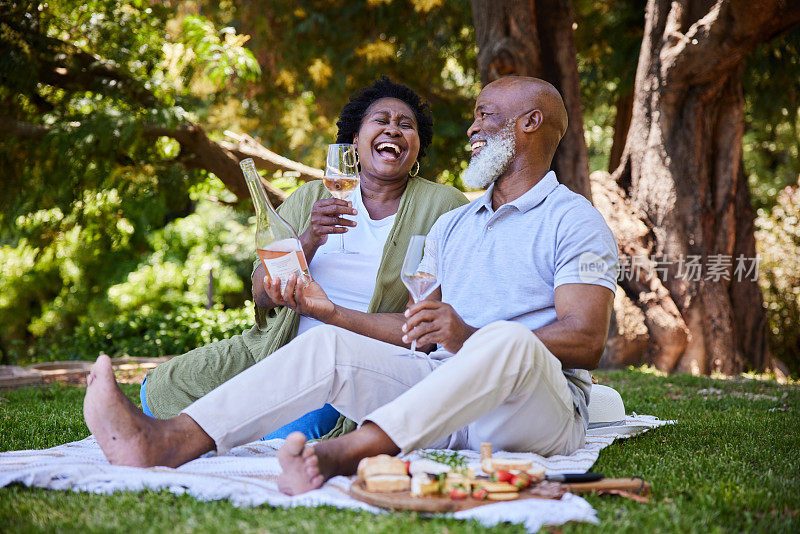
{"points": [[129, 437], [300, 467]]}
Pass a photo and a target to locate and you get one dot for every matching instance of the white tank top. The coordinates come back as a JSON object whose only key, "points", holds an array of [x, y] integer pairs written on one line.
{"points": [[349, 279]]}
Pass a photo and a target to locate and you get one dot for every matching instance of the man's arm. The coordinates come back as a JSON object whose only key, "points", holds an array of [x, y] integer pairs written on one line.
{"points": [[578, 336]]}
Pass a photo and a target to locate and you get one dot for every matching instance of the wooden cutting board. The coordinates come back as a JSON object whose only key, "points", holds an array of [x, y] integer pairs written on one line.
{"points": [[404, 501]]}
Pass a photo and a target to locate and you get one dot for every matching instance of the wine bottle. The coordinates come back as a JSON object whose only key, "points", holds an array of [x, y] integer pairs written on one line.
{"points": [[277, 244]]}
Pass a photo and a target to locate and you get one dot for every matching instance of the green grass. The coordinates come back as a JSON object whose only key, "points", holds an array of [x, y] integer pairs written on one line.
{"points": [[730, 464]]}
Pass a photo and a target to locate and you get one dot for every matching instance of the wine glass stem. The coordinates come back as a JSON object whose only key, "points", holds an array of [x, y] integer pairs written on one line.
{"points": [[414, 342], [341, 243]]}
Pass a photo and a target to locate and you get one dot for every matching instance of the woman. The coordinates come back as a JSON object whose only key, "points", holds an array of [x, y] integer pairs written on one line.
{"points": [[392, 129]]}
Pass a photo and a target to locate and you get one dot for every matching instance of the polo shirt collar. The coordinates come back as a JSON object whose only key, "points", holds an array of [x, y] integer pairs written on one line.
{"points": [[532, 198]]}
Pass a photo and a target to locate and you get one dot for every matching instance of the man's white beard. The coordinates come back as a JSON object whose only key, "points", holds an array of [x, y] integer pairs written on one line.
{"points": [[493, 159]]}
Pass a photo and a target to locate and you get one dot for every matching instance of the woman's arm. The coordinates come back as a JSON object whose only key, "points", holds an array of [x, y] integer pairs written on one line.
{"points": [[310, 300]]}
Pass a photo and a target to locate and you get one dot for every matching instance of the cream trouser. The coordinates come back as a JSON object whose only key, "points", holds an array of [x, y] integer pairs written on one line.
{"points": [[503, 386]]}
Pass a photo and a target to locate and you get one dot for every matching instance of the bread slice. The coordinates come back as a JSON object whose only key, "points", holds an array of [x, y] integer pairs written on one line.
{"points": [[510, 464], [502, 496], [497, 487], [388, 483], [383, 464]]}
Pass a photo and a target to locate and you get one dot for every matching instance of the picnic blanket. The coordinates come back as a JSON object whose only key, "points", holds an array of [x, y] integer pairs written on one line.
{"points": [[247, 476]]}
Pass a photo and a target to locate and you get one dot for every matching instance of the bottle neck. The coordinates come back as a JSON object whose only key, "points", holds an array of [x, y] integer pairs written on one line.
{"points": [[257, 193]]}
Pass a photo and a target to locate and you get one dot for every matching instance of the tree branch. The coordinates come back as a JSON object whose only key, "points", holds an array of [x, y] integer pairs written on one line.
{"points": [[722, 38], [247, 147], [13, 128], [198, 151]]}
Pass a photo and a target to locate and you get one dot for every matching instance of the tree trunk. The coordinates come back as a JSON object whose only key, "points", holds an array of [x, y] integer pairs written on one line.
{"points": [[622, 122], [534, 38], [682, 168]]}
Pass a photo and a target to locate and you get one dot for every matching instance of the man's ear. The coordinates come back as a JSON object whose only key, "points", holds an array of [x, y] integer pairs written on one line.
{"points": [[532, 120]]}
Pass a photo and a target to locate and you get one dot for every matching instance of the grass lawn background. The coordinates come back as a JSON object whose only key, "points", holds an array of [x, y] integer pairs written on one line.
{"points": [[732, 463]]}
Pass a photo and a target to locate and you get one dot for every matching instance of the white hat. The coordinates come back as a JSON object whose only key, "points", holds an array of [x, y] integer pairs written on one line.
{"points": [[607, 414]]}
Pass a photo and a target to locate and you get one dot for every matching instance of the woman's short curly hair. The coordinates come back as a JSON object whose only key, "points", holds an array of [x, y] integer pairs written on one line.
{"points": [[353, 112]]}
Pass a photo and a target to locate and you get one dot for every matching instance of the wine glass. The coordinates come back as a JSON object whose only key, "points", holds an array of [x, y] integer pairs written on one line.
{"points": [[341, 177], [419, 271]]}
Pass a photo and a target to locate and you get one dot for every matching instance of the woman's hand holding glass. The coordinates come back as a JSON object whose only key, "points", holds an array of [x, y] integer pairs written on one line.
{"points": [[327, 218], [341, 177]]}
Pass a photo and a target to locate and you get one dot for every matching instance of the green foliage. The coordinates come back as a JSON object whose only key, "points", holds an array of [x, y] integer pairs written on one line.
{"points": [[778, 240], [608, 36], [147, 305], [150, 334], [315, 53], [772, 113], [217, 58], [85, 197], [454, 459]]}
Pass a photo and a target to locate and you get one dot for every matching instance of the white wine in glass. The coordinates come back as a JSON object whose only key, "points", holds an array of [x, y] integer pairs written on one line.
{"points": [[421, 280], [341, 177]]}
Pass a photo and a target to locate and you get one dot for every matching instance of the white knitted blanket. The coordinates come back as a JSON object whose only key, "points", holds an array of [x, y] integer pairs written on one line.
{"points": [[247, 476]]}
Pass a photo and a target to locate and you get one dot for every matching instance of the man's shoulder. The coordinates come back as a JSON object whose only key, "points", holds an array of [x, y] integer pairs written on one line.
{"points": [[565, 204], [457, 214]]}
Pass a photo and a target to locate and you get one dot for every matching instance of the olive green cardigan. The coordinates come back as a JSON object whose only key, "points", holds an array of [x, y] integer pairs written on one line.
{"points": [[173, 385]]}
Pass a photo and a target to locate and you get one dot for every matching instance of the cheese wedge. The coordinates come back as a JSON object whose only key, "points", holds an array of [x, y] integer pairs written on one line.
{"points": [[422, 485], [427, 467]]}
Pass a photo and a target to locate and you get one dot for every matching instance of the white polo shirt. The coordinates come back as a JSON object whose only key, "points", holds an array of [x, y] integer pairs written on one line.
{"points": [[505, 264]]}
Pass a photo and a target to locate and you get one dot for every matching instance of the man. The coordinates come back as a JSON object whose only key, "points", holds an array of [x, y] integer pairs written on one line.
{"points": [[516, 304]]}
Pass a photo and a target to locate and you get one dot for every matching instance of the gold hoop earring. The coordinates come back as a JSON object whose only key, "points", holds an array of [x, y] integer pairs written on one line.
{"points": [[413, 174], [358, 160]]}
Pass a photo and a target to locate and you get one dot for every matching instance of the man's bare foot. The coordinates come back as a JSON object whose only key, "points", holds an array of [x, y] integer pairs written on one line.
{"points": [[306, 468], [129, 437], [300, 468]]}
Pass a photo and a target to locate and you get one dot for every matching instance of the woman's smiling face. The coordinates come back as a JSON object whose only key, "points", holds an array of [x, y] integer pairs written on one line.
{"points": [[388, 140]]}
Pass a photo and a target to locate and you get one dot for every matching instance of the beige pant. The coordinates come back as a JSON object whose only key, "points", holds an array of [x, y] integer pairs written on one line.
{"points": [[503, 386]]}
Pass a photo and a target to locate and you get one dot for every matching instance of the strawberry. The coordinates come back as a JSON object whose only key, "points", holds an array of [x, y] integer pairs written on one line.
{"points": [[521, 480], [503, 476], [480, 494], [458, 493], [408, 466]]}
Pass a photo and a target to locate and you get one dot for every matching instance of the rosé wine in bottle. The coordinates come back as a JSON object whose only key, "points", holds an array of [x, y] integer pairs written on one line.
{"points": [[277, 244]]}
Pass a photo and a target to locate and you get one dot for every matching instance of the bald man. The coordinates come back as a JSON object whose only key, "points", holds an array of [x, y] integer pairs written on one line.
{"points": [[527, 278]]}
